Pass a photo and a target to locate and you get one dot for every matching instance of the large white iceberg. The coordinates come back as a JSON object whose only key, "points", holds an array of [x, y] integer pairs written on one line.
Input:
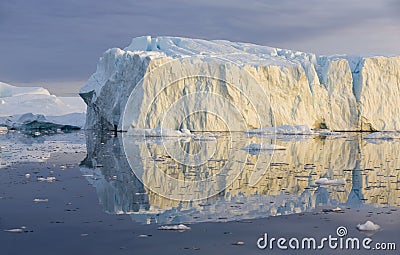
{"points": [[35, 107], [220, 85]]}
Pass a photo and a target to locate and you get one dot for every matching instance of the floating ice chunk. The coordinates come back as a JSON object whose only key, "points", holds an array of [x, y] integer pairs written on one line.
{"points": [[157, 132], [282, 130], [238, 243], [40, 200], [383, 135], [144, 235], [262, 146], [336, 210], [205, 137], [368, 226], [326, 181], [175, 227], [47, 179], [329, 133], [186, 131], [3, 130], [16, 230]]}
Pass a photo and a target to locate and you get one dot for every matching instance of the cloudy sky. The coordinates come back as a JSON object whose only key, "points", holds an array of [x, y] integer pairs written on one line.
{"points": [[57, 43]]}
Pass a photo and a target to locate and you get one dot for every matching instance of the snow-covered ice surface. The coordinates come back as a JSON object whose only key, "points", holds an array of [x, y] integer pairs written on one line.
{"points": [[159, 81], [29, 108]]}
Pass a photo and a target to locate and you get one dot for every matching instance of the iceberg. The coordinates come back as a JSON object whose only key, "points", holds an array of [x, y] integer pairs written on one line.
{"points": [[199, 85], [3, 130], [282, 130], [262, 146], [383, 136], [29, 108], [158, 132], [326, 181], [368, 226], [175, 227]]}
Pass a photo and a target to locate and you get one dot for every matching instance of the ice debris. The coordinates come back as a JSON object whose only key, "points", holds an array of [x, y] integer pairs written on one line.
{"points": [[326, 181], [368, 226], [174, 227]]}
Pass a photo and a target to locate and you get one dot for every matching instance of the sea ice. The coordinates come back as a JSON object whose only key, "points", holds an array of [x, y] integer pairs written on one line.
{"points": [[175, 227], [383, 135], [326, 181], [262, 146], [368, 226], [40, 200], [3, 130], [47, 179]]}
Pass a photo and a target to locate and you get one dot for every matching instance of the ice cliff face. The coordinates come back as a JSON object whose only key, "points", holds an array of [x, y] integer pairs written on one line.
{"points": [[220, 85]]}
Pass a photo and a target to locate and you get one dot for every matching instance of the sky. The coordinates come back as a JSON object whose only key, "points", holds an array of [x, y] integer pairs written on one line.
{"points": [[57, 43]]}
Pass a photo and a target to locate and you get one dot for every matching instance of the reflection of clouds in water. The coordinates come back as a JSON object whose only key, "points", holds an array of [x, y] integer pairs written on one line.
{"points": [[286, 188]]}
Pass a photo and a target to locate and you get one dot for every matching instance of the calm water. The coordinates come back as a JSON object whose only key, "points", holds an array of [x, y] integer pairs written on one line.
{"points": [[210, 178]]}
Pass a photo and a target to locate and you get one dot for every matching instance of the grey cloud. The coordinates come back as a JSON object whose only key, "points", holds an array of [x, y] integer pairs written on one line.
{"points": [[63, 39]]}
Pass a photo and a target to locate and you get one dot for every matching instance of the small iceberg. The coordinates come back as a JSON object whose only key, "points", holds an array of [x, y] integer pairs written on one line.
{"points": [[383, 136], [16, 230], [3, 130], [282, 130], [159, 132], [175, 227], [335, 210], [206, 137], [40, 200], [368, 226], [326, 181], [262, 146], [47, 179], [186, 131]]}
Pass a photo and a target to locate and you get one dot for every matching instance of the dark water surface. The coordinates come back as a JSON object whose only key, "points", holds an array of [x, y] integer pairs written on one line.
{"points": [[109, 192]]}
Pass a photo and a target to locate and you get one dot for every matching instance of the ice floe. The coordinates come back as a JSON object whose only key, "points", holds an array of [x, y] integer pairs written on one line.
{"points": [[368, 226], [175, 227], [262, 146], [326, 181]]}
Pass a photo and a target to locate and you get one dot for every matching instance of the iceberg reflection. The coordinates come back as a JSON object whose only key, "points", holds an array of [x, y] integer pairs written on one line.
{"points": [[214, 182]]}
